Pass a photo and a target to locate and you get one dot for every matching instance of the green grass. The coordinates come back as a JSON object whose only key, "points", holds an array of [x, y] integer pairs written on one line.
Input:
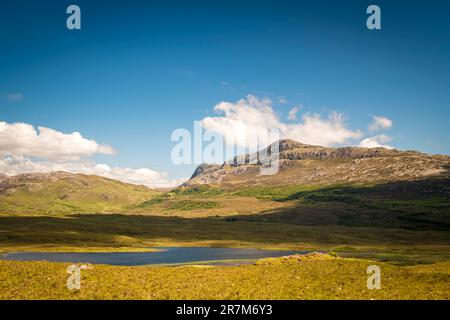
{"points": [[173, 203], [360, 194], [308, 194], [151, 202], [303, 217], [32, 233], [366, 222], [203, 190], [192, 205], [80, 194], [356, 205], [281, 278], [429, 205], [275, 193]]}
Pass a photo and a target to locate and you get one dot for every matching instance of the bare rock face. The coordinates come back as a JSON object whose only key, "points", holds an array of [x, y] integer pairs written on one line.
{"points": [[293, 150], [205, 169], [321, 153], [310, 164]]}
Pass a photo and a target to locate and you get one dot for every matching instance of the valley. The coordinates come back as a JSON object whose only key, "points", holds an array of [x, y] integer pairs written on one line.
{"points": [[359, 206]]}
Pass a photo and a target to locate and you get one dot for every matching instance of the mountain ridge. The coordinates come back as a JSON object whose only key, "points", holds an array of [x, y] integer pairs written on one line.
{"points": [[292, 154], [311, 164]]}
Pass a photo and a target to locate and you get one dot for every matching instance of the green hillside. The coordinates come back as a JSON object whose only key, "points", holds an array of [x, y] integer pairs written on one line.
{"points": [[61, 193]]}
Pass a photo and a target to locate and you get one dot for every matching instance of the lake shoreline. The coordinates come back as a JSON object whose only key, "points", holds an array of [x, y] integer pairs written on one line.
{"points": [[162, 256]]}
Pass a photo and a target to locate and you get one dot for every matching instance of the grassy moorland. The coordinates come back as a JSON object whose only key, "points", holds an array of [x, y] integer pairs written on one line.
{"points": [[404, 226], [313, 277], [96, 230], [60, 193], [387, 222]]}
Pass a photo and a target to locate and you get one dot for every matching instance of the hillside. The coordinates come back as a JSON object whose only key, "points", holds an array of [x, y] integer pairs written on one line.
{"points": [[385, 204], [315, 185], [318, 186], [62, 192], [316, 165]]}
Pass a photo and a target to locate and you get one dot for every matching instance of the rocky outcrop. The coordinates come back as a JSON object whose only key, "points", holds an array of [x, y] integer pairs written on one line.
{"points": [[293, 150], [205, 169], [310, 164]]}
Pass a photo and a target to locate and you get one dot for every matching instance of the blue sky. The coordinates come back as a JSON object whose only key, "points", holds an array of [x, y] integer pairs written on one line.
{"points": [[137, 70]]}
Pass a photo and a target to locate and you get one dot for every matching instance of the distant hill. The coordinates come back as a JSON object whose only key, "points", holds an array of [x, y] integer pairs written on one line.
{"points": [[62, 192], [313, 165], [321, 196], [412, 174]]}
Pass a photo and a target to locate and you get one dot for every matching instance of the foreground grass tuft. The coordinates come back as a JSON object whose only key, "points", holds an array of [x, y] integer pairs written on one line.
{"points": [[287, 278]]}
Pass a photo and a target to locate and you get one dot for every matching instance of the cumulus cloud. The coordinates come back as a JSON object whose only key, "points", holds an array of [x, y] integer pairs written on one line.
{"points": [[24, 139], [246, 117], [293, 113], [12, 165], [21, 144], [13, 96], [380, 123], [376, 142]]}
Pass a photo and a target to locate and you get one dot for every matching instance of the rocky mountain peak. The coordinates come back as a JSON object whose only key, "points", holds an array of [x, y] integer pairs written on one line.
{"points": [[288, 144], [310, 164]]}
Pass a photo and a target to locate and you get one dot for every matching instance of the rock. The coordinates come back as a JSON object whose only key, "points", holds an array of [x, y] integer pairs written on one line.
{"points": [[205, 169], [310, 164]]}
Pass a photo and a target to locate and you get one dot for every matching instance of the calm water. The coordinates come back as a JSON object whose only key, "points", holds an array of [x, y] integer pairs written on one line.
{"points": [[172, 255]]}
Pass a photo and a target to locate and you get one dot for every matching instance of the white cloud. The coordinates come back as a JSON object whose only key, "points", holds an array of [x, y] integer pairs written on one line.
{"points": [[12, 165], [376, 142], [64, 152], [23, 139], [380, 123], [13, 97], [248, 116], [293, 113]]}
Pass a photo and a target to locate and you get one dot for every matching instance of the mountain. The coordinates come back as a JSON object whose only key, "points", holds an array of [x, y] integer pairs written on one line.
{"points": [[321, 197], [306, 173], [62, 192], [313, 165]]}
